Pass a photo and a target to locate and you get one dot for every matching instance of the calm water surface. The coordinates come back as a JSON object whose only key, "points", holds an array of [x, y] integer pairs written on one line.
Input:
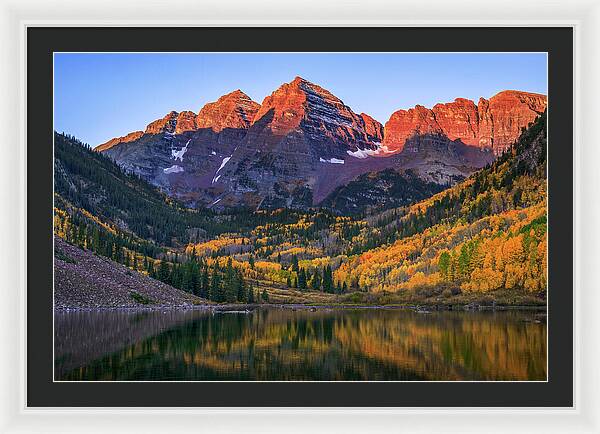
{"points": [[282, 344]]}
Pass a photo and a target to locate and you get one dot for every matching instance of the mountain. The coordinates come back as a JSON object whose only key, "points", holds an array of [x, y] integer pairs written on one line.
{"points": [[302, 143], [300, 133], [181, 152], [491, 124]]}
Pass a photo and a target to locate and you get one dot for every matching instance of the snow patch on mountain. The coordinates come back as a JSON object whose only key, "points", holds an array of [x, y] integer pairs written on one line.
{"points": [[178, 155], [223, 163], [362, 153], [332, 161], [173, 169], [365, 153]]}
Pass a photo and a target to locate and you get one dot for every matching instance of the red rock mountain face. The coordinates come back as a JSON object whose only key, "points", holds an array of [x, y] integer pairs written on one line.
{"points": [[303, 142], [492, 124], [373, 128], [234, 110], [302, 105], [131, 137]]}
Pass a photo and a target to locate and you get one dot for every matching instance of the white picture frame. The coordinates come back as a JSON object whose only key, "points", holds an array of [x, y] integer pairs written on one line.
{"points": [[582, 15]]}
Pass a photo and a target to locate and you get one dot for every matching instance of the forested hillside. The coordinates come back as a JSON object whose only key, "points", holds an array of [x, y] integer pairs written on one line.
{"points": [[486, 233]]}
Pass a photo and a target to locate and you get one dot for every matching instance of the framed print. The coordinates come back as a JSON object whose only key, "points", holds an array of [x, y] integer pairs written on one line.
{"points": [[221, 218], [297, 243]]}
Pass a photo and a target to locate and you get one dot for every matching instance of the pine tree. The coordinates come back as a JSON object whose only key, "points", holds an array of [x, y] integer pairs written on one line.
{"points": [[295, 263], [444, 265], [163, 274], [204, 285], [251, 298], [301, 279], [328, 279], [215, 287], [265, 295], [316, 281], [242, 296]]}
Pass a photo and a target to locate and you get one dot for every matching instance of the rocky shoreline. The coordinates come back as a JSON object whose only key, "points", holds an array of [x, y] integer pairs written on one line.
{"points": [[85, 280], [247, 308]]}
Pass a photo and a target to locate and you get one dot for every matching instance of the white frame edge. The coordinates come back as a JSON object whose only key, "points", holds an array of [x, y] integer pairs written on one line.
{"points": [[15, 16]]}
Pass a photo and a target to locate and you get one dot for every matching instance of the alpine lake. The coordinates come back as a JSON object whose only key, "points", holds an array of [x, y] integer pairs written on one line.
{"points": [[275, 343]]}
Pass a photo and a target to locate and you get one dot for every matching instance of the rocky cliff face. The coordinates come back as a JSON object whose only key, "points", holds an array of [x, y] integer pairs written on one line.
{"points": [[373, 128], [491, 124], [303, 142]]}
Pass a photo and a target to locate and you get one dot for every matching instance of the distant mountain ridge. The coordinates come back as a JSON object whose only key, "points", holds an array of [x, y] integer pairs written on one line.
{"points": [[302, 143], [491, 124]]}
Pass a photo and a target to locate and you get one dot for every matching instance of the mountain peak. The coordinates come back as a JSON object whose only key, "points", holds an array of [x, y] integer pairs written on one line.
{"points": [[297, 80], [167, 124], [301, 100], [232, 110], [517, 93], [236, 94]]}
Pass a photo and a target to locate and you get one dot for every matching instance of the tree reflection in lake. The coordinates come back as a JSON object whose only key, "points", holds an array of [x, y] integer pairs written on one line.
{"points": [[282, 344]]}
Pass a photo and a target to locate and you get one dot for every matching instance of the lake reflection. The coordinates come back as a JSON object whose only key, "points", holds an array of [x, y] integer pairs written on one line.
{"points": [[281, 344]]}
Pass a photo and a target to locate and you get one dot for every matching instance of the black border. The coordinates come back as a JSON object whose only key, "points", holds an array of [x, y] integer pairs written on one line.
{"points": [[42, 42]]}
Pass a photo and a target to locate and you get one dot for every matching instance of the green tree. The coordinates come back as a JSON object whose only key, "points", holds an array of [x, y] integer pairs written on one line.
{"points": [[229, 283], [301, 279], [251, 298], [444, 265], [164, 272], [215, 287], [328, 279], [315, 282], [204, 285], [265, 295], [295, 267]]}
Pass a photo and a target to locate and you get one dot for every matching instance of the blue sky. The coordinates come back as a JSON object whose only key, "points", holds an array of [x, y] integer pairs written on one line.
{"points": [[100, 96]]}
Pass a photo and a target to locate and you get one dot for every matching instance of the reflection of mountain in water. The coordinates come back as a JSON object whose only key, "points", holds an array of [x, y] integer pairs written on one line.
{"points": [[280, 344]]}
